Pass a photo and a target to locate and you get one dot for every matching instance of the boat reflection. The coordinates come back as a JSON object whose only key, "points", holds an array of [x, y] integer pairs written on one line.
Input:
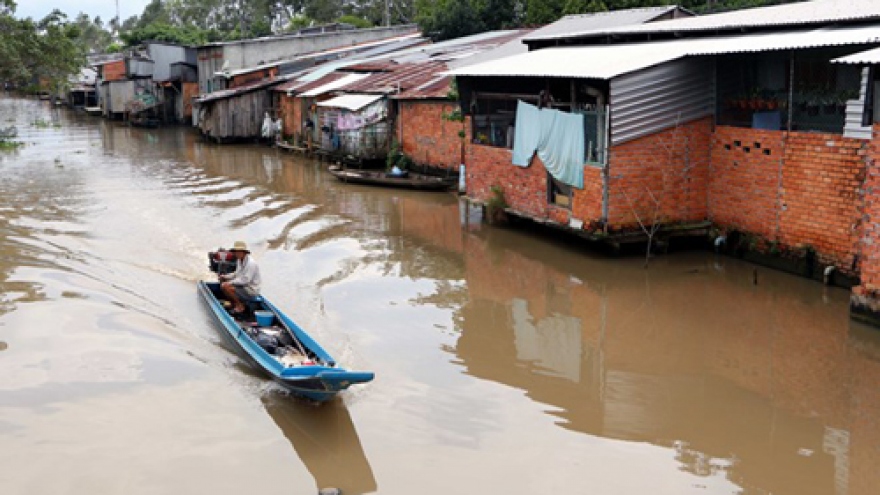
{"points": [[326, 441]]}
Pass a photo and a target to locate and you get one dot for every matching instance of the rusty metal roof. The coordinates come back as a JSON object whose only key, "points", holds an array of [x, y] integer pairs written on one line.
{"points": [[437, 88], [396, 78], [414, 73], [245, 88], [298, 86]]}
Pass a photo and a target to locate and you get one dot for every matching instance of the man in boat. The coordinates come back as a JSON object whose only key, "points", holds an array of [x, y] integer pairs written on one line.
{"points": [[242, 285]]}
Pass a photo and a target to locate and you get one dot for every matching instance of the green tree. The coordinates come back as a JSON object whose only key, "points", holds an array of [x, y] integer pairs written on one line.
{"points": [[358, 22], [35, 53], [94, 38], [540, 12], [583, 6], [160, 31], [448, 19]]}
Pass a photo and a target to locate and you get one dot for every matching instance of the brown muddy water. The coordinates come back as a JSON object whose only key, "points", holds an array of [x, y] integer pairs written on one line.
{"points": [[505, 363]]}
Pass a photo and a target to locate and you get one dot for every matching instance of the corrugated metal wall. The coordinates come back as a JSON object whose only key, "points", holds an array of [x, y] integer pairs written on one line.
{"points": [[660, 97], [164, 56], [855, 110], [210, 60], [121, 92], [236, 117]]}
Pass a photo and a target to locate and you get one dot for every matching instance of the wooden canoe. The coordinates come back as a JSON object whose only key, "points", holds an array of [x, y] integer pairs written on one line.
{"points": [[380, 178], [295, 361]]}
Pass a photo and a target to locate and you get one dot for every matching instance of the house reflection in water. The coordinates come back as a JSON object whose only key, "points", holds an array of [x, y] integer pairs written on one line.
{"points": [[763, 385]]}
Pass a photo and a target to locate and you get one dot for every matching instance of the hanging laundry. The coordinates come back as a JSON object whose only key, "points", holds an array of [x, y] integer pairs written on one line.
{"points": [[557, 137]]}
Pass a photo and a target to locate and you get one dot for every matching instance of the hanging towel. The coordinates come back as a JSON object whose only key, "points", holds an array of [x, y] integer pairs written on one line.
{"points": [[558, 138], [562, 146], [527, 133]]}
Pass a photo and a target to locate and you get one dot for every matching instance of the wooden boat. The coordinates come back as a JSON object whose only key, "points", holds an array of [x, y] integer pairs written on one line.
{"points": [[411, 180], [280, 348]]}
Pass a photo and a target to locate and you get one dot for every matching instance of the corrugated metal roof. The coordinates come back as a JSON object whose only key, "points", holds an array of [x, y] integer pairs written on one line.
{"points": [[792, 14], [436, 88], [245, 88], [397, 78], [297, 85], [600, 20], [353, 102], [608, 61], [570, 24], [421, 52], [869, 57], [334, 85]]}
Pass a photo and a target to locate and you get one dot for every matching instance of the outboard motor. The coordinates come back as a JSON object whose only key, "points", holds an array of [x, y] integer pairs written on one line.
{"points": [[221, 261]]}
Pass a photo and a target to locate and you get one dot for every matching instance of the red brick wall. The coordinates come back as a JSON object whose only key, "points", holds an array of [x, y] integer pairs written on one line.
{"points": [[821, 201], [114, 71], [798, 188], [525, 189], [586, 204], [870, 245], [427, 137], [744, 185], [673, 165]]}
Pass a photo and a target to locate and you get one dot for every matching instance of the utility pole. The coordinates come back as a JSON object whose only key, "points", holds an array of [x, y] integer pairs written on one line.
{"points": [[118, 20], [387, 15]]}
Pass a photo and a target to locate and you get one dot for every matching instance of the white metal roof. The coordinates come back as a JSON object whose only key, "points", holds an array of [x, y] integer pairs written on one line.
{"points": [[570, 24], [868, 57], [608, 61], [351, 102], [590, 62], [791, 14], [339, 83]]}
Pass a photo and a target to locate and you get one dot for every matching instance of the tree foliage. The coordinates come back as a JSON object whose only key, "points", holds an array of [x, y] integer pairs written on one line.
{"points": [[38, 53]]}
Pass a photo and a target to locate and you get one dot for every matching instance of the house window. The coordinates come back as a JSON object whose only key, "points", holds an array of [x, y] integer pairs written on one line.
{"points": [[558, 193], [494, 118], [755, 90], [872, 99], [595, 133]]}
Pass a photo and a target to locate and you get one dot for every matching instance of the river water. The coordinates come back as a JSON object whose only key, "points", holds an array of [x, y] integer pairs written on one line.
{"points": [[505, 363]]}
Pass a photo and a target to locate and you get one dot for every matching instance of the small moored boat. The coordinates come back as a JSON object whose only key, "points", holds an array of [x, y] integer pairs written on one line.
{"points": [[273, 343], [410, 180]]}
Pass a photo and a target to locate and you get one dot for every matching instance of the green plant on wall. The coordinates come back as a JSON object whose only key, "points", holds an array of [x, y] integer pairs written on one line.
{"points": [[496, 205], [453, 90], [454, 116]]}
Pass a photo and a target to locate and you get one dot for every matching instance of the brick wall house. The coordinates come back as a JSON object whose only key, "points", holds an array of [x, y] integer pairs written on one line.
{"points": [[428, 135], [792, 188]]}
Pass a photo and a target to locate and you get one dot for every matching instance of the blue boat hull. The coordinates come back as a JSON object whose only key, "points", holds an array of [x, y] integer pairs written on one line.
{"points": [[318, 378]]}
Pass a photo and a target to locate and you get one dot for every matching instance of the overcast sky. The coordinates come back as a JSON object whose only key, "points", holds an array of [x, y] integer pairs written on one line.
{"points": [[106, 9]]}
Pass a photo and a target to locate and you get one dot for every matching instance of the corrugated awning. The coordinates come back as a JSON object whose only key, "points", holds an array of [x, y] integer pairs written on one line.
{"points": [[609, 61], [339, 83], [868, 57], [353, 102]]}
